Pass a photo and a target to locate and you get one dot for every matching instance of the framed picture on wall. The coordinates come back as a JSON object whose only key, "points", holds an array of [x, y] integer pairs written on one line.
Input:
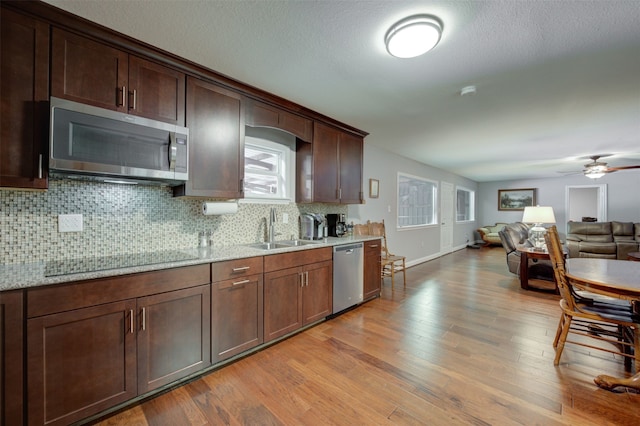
{"points": [[516, 199]]}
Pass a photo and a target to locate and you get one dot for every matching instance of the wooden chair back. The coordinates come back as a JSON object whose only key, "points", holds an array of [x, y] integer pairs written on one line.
{"points": [[377, 229], [361, 229], [556, 255]]}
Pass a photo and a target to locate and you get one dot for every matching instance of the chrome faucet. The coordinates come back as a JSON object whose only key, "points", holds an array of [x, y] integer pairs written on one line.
{"points": [[272, 221]]}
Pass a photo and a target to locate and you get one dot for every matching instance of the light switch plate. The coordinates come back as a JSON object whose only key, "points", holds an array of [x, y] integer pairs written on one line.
{"points": [[70, 223]]}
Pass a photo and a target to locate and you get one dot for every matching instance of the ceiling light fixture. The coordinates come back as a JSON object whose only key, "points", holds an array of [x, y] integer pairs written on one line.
{"points": [[468, 90], [413, 36], [594, 174]]}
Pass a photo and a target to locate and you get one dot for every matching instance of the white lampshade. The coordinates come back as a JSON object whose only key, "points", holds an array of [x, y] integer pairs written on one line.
{"points": [[538, 214], [413, 36]]}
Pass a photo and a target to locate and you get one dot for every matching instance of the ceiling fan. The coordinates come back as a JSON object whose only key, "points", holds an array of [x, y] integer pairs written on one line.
{"points": [[596, 169]]}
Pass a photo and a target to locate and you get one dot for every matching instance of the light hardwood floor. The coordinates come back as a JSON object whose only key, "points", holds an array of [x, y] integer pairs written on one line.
{"points": [[463, 344]]}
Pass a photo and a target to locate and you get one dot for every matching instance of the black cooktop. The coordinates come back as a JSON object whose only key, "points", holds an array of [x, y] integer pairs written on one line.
{"points": [[92, 264]]}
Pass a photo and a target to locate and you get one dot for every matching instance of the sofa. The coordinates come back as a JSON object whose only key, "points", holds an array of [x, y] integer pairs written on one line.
{"points": [[489, 234], [516, 235], [607, 240]]}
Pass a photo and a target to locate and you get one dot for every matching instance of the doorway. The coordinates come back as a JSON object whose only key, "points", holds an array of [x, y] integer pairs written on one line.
{"points": [[586, 203]]}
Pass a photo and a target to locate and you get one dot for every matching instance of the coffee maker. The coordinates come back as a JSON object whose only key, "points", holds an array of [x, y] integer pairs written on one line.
{"points": [[313, 226], [336, 222]]}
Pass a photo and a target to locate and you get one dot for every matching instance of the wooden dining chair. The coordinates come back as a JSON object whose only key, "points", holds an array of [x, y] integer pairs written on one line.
{"points": [[593, 317], [361, 229], [391, 263]]}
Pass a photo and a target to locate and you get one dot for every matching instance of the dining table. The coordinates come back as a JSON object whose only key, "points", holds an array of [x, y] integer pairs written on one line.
{"points": [[613, 278]]}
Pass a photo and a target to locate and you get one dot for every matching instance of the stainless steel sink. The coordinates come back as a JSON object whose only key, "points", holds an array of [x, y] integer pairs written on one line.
{"points": [[265, 246], [282, 244], [296, 243]]}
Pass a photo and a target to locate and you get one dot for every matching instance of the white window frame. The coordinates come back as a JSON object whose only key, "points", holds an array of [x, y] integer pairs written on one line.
{"points": [[433, 203], [471, 205], [286, 176]]}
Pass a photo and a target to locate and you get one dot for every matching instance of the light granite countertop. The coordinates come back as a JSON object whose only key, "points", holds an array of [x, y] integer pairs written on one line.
{"points": [[26, 275]]}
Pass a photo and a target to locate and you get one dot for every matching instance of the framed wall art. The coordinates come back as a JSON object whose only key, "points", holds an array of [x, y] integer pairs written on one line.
{"points": [[374, 188], [516, 199]]}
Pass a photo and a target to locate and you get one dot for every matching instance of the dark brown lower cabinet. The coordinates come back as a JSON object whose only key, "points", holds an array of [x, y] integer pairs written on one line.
{"points": [[372, 271], [173, 336], [88, 351], [297, 296], [81, 362], [237, 321], [11, 357]]}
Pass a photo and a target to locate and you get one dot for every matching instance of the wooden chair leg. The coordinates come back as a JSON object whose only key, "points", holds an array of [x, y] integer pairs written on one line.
{"points": [[404, 273], [636, 348], [558, 331], [563, 339], [393, 275]]}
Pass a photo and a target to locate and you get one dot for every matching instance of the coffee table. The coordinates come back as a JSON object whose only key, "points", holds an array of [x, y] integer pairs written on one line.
{"points": [[527, 253], [634, 255]]}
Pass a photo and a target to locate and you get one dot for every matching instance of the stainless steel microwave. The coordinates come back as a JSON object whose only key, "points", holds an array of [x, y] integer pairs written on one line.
{"points": [[90, 141]]}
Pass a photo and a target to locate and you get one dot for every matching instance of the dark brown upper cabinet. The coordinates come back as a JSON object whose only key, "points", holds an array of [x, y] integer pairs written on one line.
{"points": [[24, 94], [215, 118], [93, 73], [329, 170], [262, 115]]}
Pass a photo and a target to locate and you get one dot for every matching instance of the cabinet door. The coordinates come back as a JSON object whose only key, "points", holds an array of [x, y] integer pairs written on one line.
{"points": [[236, 316], [262, 115], [80, 362], [325, 164], [282, 302], [317, 299], [215, 118], [350, 169], [372, 272], [173, 336], [86, 71], [11, 357], [24, 93], [155, 91]]}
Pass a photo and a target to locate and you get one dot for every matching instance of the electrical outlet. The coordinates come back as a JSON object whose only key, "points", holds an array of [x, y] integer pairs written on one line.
{"points": [[285, 217], [70, 223]]}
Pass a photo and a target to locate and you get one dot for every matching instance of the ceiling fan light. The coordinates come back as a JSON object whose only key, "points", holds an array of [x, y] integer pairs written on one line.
{"points": [[413, 36], [594, 174]]}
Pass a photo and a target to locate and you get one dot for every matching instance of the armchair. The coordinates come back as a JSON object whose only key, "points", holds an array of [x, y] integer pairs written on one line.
{"points": [[515, 235], [489, 233]]}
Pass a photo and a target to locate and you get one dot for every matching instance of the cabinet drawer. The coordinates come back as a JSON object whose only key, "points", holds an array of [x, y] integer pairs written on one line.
{"points": [[232, 269], [80, 294], [298, 258]]}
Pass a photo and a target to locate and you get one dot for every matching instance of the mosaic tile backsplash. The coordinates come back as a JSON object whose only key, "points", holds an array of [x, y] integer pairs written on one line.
{"points": [[125, 219]]}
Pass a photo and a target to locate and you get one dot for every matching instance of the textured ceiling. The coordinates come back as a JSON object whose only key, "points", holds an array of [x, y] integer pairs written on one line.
{"points": [[557, 81]]}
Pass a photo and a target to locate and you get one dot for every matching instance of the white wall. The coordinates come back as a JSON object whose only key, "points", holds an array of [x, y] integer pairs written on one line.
{"points": [[623, 193], [417, 244]]}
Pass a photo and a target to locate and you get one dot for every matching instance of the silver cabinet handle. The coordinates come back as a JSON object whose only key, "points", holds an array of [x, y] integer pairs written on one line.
{"points": [[373, 246], [306, 278], [242, 268], [144, 320], [240, 282], [301, 279], [131, 321], [40, 166], [123, 96], [135, 98]]}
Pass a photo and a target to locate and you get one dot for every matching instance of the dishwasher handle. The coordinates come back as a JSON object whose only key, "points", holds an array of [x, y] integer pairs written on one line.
{"points": [[347, 248]]}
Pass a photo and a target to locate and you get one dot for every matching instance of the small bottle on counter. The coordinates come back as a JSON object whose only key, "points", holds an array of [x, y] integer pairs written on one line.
{"points": [[210, 238], [202, 238]]}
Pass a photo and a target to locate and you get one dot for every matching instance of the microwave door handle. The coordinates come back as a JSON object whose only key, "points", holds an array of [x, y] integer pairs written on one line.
{"points": [[173, 151]]}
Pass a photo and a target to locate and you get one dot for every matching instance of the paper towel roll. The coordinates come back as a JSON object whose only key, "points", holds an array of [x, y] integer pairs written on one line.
{"points": [[219, 208]]}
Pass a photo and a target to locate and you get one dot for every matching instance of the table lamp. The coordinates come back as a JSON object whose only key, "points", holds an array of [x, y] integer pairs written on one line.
{"points": [[538, 215]]}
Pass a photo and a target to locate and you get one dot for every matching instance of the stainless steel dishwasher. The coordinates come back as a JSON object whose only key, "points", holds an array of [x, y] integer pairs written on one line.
{"points": [[348, 275]]}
